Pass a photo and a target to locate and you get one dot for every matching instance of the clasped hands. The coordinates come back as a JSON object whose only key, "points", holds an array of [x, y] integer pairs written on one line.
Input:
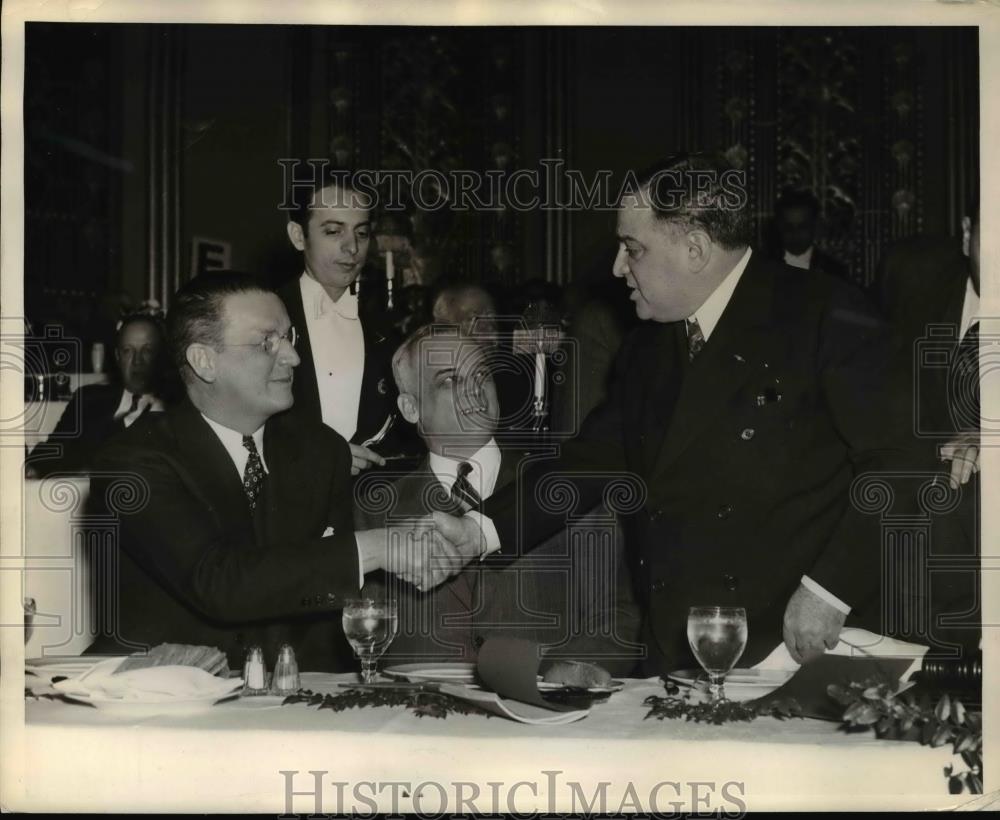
{"points": [[425, 551]]}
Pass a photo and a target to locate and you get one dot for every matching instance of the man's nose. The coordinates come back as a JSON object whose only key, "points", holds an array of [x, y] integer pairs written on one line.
{"points": [[288, 354], [350, 245], [620, 267]]}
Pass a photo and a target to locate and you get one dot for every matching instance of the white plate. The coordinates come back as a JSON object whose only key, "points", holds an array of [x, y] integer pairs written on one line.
{"points": [[551, 686], [741, 684], [445, 672], [55, 667], [141, 709]]}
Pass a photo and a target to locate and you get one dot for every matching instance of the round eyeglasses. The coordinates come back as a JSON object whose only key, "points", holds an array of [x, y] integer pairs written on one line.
{"points": [[271, 343]]}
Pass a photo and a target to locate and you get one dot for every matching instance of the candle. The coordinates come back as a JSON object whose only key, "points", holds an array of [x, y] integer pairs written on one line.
{"points": [[539, 375], [390, 269]]}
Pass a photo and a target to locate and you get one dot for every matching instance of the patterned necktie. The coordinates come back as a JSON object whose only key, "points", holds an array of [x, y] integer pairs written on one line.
{"points": [[963, 387], [253, 473], [462, 491], [696, 340]]}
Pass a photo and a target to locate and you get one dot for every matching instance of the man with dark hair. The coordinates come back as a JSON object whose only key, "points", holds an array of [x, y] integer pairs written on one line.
{"points": [[98, 411], [345, 380], [239, 531], [796, 222], [747, 406]]}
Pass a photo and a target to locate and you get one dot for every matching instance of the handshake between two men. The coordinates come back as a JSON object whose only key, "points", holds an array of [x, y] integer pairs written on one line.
{"points": [[424, 551]]}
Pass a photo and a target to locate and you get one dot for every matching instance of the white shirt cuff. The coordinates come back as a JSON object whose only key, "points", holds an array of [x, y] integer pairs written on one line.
{"points": [[489, 533], [829, 597]]}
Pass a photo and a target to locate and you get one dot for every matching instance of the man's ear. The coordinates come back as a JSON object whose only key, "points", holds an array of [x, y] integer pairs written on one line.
{"points": [[407, 405], [699, 248], [296, 235], [201, 359]]}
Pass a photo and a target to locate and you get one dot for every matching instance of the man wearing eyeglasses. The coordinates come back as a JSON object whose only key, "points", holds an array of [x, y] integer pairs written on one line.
{"points": [[235, 527]]}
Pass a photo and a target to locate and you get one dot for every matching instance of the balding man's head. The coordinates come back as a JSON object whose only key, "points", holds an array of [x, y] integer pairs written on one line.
{"points": [[469, 306], [446, 389]]}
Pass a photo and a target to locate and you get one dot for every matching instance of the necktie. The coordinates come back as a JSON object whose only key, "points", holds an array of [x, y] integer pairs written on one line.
{"points": [[963, 392], [462, 491], [253, 473], [696, 340]]}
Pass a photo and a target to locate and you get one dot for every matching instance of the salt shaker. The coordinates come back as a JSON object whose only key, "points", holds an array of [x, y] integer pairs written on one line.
{"points": [[285, 680], [255, 673]]}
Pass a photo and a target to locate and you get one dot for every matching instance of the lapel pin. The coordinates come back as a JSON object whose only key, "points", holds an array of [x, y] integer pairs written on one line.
{"points": [[739, 358]]}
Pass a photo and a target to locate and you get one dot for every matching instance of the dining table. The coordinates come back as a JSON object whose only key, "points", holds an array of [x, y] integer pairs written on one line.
{"points": [[260, 754]]}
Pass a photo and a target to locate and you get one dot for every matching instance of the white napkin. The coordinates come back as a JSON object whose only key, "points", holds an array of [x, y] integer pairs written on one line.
{"points": [[155, 684], [858, 643]]}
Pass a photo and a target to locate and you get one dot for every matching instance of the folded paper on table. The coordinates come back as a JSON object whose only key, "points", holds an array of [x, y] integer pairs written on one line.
{"points": [[509, 667], [151, 685], [859, 656], [514, 709], [857, 643]]}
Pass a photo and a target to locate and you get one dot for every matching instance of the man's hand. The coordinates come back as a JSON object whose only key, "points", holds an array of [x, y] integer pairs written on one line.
{"points": [[463, 532], [963, 453], [417, 553], [811, 625], [362, 458]]}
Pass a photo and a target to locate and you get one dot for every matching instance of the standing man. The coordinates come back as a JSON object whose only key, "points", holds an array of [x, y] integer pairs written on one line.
{"points": [[234, 530], [748, 401], [345, 380], [796, 219]]}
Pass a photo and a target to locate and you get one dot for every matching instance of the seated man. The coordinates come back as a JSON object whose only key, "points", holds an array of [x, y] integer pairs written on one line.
{"points": [[234, 528], [572, 597], [98, 411]]}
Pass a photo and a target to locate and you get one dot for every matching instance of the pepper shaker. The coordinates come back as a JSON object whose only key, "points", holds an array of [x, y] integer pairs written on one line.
{"points": [[285, 680]]}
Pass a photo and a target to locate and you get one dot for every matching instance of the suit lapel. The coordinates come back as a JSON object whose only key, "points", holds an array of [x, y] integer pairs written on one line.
{"points": [[210, 467], [721, 369], [305, 387], [289, 481]]}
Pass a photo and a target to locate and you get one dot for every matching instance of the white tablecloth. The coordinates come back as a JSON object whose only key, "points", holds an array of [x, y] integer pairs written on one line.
{"points": [[231, 758]]}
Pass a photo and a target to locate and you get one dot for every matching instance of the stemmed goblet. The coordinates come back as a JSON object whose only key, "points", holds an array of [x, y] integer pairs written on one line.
{"points": [[717, 636], [370, 625]]}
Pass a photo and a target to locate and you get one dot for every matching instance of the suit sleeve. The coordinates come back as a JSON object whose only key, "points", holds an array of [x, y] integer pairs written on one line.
{"points": [[864, 386], [219, 571], [529, 510]]}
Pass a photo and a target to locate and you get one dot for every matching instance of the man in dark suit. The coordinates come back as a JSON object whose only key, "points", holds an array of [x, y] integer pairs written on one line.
{"points": [[346, 345], [930, 293], [796, 222], [572, 595], [234, 528], [747, 403], [98, 411]]}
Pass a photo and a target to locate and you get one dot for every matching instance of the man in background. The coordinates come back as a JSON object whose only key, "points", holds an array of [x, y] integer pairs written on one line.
{"points": [[96, 412], [796, 218], [345, 380]]}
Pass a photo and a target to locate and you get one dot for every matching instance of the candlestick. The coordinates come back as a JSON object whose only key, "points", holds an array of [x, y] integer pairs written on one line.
{"points": [[539, 375]]}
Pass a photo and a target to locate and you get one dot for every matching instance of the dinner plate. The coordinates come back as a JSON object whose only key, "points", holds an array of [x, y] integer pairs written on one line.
{"points": [[141, 709], [741, 684], [552, 686], [70, 667], [444, 672]]}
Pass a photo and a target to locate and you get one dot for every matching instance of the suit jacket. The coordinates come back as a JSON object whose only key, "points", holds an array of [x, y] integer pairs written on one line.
{"points": [[195, 566], [922, 285], [378, 389], [574, 599], [741, 461], [86, 423]]}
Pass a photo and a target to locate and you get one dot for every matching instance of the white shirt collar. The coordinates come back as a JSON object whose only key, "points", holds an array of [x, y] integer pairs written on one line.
{"points": [[316, 302], [125, 404], [485, 468], [970, 307], [233, 442], [800, 260], [711, 311]]}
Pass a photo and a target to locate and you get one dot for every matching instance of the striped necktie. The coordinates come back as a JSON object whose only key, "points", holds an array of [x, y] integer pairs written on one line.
{"points": [[462, 491]]}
